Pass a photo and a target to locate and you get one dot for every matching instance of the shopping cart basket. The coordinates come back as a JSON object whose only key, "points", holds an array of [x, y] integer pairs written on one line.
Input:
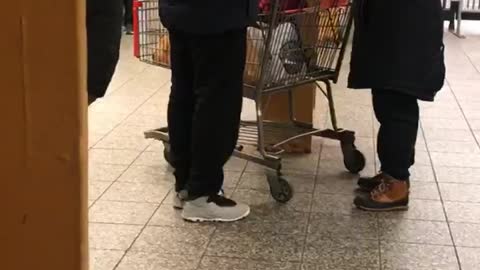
{"points": [[286, 49]]}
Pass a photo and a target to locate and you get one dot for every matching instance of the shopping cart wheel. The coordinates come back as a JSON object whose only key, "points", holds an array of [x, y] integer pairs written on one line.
{"points": [[280, 189], [353, 159], [166, 152]]}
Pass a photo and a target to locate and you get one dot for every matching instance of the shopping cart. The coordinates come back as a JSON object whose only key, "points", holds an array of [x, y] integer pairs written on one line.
{"points": [[286, 49]]}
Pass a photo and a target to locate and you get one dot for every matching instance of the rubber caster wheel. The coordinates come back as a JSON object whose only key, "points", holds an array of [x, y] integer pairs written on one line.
{"points": [[354, 161], [166, 153], [280, 189]]}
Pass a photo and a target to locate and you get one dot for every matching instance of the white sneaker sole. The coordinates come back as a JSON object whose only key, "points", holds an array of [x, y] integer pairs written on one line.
{"points": [[222, 220]]}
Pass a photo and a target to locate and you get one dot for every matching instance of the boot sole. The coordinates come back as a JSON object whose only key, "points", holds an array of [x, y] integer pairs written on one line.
{"points": [[220, 220], [389, 209]]}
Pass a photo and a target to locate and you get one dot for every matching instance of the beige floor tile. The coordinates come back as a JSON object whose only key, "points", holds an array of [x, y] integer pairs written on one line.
{"points": [[104, 259], [112, 236], [137, 192], [439, 123], [123, 142], [467, 147], [147, 175], [422, 173], [219, 263], [263, 200], [415, 231], [455, 160], [96, 189], [453, 135], [458, 175], [424, 190], [466, 234], [158, 261], [469, 258], [171, 240], [105, 172], [430, 210], [151, 159], [258, 181], [257, 246], [463, 212], [112, 156], [332, 254], [121, 212], [460, 192], [396, 256]]}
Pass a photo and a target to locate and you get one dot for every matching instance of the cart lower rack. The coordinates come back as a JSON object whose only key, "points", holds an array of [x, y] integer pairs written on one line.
{"points": [[287, 48]]}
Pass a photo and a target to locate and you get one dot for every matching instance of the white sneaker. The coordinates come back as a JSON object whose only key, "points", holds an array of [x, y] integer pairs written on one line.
{"points": [[214, 208], [180, 197]]}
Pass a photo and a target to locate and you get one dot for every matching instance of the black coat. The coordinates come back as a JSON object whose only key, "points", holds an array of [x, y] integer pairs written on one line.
{"points": [[104, 22], [207, 16], [398, 45]]}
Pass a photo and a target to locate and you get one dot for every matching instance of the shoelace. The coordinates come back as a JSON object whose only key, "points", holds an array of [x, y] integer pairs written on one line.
{"points": [[381, 189]]}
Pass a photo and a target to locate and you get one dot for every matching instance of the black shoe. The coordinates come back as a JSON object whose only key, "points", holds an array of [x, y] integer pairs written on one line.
{"points": [[367, 184]]}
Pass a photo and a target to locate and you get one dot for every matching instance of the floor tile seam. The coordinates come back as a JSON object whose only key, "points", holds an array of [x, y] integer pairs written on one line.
{"points": [[247, 258], [141, 231], [204, 253], [463, 112], [312, 201], [123, 149], [129, 115], [122, 223], [252, 260], [124, 83], [452, 239]]}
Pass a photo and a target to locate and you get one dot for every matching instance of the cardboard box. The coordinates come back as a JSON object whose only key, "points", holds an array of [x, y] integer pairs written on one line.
{"points": [[43, 166]]}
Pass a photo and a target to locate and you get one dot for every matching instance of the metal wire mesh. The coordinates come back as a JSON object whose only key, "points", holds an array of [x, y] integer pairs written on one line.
{"points": [[468, 5], [294, 44], [154, 44], [294, 41]]}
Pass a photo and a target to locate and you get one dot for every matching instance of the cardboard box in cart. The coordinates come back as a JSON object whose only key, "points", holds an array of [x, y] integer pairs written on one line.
{"points": [[43, 166]]}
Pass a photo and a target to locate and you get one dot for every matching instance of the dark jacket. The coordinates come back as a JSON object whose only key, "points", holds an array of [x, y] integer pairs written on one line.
{"points": [[398, 45], [104, 22], [207, 16]]}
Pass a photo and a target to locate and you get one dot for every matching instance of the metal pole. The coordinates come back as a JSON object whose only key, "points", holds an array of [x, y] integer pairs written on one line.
{"points": [[459, 19]]}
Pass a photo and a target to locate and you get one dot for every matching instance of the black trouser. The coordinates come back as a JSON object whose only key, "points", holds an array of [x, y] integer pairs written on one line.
{"points": [[205, 107], [128, 15], [398, 115], [104, 33]]}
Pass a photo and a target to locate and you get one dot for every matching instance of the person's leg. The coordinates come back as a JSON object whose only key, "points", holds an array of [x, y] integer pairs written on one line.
{"points": [[180, 107], [398, 115], [219, 65], [104, 33], [128, 16]]}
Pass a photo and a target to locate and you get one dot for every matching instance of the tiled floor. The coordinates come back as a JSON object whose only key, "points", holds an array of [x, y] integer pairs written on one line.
{"points": [[133, 226]]}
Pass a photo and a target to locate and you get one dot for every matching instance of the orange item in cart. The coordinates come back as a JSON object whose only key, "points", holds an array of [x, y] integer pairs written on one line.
{"points": [[161, 54]]}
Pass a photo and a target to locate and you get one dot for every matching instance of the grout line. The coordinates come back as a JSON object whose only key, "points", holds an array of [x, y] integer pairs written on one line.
{"points": [[130, 114], [242, 173], [377, 169], [442, 201], [477, 140], [312, 201], [142, 230], [137, 156]]}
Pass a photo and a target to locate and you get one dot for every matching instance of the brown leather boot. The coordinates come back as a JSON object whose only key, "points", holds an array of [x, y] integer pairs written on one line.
{"points": [[390, 194], [368, 184]]}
